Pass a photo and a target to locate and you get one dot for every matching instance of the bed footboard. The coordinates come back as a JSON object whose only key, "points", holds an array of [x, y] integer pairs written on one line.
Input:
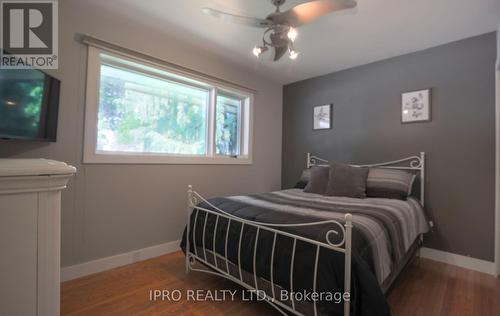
{"points": [[193, 256]]}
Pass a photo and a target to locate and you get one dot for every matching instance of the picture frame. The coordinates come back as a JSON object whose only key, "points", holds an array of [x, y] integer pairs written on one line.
{"points": [[416, 106], [322, 117]]}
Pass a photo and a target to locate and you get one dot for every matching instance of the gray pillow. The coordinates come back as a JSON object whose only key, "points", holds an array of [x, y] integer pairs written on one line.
{"points": [[389, 183], [345, 180], [318, 180]]}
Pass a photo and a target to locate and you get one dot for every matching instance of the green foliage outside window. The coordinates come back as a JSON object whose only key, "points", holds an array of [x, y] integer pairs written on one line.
{"points": [[145, 114], [138, 113], [227, 121]]}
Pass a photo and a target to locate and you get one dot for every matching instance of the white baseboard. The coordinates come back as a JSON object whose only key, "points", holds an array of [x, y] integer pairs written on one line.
{"points": [[99, 265], [459, 260]]}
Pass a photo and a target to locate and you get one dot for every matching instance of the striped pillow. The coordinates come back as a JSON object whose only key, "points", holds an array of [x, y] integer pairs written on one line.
{"points": [[389, 183]]}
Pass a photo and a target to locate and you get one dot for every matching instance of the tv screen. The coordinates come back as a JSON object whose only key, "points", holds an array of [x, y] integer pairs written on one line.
{"points": [[29, 102]]}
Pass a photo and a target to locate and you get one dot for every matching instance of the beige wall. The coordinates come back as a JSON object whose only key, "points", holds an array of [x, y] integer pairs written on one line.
{"points": [[498, 46], [497, 158], [111, 209]]}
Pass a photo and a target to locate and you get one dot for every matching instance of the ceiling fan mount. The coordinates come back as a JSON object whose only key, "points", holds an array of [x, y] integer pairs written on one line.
{"points": [[278, 3], [280, 27]]}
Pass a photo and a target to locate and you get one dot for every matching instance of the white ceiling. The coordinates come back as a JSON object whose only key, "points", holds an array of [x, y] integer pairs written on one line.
{"points": [[375, 30]]}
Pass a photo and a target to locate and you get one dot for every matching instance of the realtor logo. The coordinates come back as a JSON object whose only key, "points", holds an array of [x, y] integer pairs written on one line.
{"points": [[29, 34]]}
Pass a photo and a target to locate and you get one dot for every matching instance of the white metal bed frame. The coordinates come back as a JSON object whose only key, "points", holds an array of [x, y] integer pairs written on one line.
{"points": [[413, 163]]}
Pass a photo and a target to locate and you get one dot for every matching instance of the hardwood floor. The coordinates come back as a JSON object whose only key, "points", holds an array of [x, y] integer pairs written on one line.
{"points": [[427, 288]]}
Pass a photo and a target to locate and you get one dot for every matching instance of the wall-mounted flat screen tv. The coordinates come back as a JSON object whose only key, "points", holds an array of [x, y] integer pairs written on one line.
{"points": [[29, 103]]}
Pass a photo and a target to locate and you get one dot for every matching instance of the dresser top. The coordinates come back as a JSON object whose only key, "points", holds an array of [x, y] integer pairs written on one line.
{"points": [[33, 167]]}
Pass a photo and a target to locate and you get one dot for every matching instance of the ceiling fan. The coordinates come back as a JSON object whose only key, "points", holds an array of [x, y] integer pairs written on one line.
{"points": [[280, 27]]}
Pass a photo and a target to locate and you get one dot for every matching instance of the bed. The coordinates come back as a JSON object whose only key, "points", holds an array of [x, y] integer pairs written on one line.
{"points": [[305, 253]]}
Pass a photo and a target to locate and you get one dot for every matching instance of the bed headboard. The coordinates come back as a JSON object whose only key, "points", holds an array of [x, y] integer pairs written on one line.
{"points": [[413, 163]]}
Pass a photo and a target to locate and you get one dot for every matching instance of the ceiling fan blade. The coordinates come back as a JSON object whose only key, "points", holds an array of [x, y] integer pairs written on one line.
{"points": [[310, 11], [238, 19], [279, 52]]}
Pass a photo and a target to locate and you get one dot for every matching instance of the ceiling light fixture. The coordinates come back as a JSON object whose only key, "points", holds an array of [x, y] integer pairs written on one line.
{"points": [[294, 54], [281, 38], [292, 34], [281, 27], [257, 51]]}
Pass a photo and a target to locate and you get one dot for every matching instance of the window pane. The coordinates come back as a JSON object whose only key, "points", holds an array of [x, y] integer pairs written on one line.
{"points": [[227, 137], [144, 114]]}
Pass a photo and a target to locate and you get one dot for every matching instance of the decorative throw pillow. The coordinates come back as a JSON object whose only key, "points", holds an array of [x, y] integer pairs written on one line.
{"points": [[318, 180], [304, 179], [389, 183], [348, 181]]}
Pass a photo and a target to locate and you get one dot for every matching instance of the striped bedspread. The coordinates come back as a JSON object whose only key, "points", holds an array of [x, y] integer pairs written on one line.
{"points": [[388, 226]]}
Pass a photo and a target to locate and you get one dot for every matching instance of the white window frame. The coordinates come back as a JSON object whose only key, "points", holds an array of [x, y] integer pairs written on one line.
{"points": [[92, 156]]}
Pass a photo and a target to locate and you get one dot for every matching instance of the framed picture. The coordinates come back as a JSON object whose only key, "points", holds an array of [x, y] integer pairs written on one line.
{"points": [[322, 117], [416, 106]]}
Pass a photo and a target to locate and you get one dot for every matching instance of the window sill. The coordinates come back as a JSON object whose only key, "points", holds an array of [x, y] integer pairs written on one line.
{"points": [[163, 159]]}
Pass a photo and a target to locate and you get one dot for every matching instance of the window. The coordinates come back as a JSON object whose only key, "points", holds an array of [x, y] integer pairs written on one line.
{"points": [[138, 112], [227, 134]]}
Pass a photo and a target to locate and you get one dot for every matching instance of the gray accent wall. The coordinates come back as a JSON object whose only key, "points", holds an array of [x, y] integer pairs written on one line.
{"points": [[112, 209], [459, 141]]}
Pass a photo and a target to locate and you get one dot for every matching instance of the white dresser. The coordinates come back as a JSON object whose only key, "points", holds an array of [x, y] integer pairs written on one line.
{"points": [[30, 235]]}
